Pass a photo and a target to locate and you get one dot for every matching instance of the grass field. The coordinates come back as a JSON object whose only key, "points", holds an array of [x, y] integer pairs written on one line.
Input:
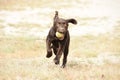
{"points": [[94, 48]]}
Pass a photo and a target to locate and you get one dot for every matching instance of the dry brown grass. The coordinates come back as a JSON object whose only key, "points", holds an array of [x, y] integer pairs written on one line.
{"points": [[40, 68], [24, 59]]}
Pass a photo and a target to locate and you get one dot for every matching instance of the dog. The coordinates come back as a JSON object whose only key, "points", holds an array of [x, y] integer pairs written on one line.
{"points": [[58, 39]]}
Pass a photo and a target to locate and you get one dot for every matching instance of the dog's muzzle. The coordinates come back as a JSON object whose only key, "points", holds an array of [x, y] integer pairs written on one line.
{"points": [[59, 35]]}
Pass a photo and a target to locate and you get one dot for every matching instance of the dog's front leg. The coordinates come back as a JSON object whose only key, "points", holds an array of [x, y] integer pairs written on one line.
{"points": [[48, 45], [58, 55]]}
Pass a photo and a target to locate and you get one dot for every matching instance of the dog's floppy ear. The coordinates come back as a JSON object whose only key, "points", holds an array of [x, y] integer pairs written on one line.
{"points": [[73, 21], [56, 16]]}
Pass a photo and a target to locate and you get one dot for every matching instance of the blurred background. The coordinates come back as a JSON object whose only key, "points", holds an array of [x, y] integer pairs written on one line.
{"points": [[24, 25]]}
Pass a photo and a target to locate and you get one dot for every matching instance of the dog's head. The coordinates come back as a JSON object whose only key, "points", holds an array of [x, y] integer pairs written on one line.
{"points": [[61, 25]]}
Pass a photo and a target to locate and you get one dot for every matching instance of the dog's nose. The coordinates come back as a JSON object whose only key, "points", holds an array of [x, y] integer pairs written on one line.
{"points": [[61, 30]]}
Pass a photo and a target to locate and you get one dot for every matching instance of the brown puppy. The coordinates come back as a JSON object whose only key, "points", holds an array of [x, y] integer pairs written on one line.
{"points": [[58, 39]]}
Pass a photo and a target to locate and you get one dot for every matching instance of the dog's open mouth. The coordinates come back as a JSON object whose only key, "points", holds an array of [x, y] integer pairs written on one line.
{"points": [[59, 35]]}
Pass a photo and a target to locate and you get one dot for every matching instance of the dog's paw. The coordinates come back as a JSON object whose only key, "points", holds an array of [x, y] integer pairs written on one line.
{"points": [[56, 61], [63, 66], [49, 54]]}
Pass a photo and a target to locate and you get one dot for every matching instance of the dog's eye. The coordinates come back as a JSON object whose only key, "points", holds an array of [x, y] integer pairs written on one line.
{"points": [[59, 23], [64, 23]]}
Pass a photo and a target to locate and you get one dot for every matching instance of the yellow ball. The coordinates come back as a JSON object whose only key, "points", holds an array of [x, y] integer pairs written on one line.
{"points": [[59, 35]]}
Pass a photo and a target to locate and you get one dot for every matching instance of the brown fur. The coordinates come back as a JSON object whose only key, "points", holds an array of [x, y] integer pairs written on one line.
{"points": [[59, 46]]}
